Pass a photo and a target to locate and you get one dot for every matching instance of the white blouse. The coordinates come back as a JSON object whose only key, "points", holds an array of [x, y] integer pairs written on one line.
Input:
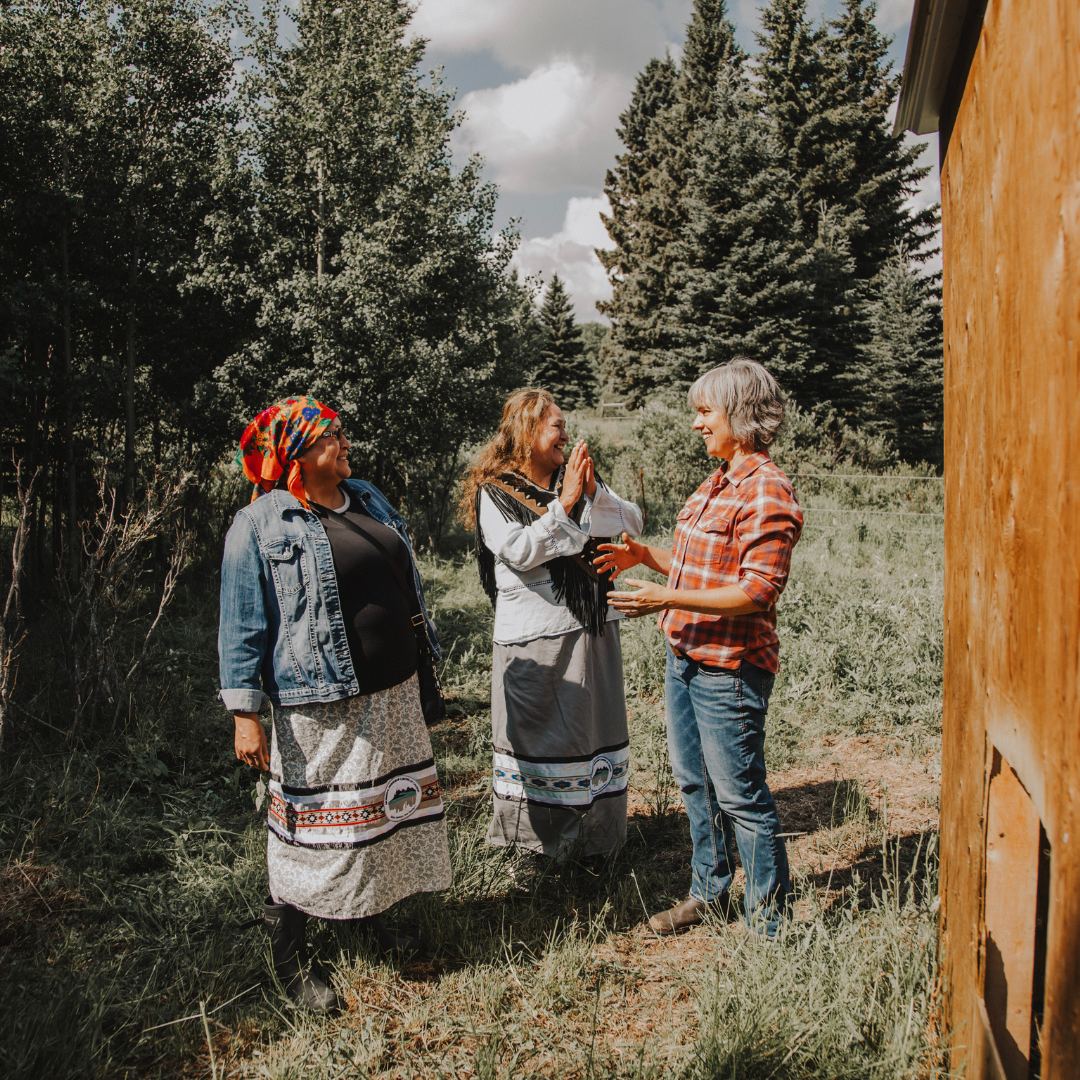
{"points": [[526, 607]]}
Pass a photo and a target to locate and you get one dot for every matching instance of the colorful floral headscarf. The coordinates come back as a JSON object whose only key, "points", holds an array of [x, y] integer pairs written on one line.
{"points": [[276, 438]]}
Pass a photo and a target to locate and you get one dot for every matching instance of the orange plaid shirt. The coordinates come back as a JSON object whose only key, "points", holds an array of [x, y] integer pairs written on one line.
{"points": [[738, 528]]}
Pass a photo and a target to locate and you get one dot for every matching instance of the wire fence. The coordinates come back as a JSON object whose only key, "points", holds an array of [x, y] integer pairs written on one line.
{"points": [[879, 513], [865, 476], [851, 515]]}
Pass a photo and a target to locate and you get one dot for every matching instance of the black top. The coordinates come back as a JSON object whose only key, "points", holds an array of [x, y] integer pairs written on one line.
{"points": [[378, 617]]}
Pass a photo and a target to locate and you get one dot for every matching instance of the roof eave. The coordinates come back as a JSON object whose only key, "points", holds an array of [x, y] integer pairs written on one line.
{"points": [[936, 27]]}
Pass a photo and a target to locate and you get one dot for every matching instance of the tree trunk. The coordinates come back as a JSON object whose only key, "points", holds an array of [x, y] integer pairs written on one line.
{"points": [[27, 585], [41, 531], [129, 380], [69, 396], [320, 252], [11, 622], [69, 379]]}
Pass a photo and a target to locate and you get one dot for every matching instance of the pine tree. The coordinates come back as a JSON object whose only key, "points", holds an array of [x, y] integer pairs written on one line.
{"points": [[646, 277], [867, 169], [641, 224], [900, 372], [563, 369], [755, 280]]}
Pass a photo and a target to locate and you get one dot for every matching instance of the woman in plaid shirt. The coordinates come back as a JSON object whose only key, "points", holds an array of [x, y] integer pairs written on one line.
{"points": [[726, 570]]}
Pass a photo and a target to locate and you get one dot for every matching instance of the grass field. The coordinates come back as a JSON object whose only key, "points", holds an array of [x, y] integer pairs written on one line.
{"points": [[130, 871]]}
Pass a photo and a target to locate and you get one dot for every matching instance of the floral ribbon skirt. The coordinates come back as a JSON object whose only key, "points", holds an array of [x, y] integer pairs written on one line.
{"points": [[356, 812]]}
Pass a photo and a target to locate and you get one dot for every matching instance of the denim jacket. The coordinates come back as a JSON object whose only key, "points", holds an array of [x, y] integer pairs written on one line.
{"points": [[281, 636]]}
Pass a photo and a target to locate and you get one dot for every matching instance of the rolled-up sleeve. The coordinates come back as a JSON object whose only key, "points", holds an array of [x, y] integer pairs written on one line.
{"points": [[523, 547], [243, 632], [767, 529], [607, 514]]}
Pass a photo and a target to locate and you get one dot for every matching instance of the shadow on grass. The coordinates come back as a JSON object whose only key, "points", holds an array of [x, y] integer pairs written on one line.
{"points": [[901, 868], [825, 804], [508, 902]]}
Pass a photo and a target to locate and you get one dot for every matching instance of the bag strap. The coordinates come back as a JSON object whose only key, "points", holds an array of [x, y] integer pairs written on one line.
{"points": [[399, 577], [432, 702]]}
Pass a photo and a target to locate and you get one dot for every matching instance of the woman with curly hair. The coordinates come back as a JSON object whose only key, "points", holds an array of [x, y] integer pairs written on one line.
{"points": [[558, 715], [323, 619]]}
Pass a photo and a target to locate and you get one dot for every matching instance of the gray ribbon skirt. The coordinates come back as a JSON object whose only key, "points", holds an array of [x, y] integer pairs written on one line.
{"points": [[561, 744]]}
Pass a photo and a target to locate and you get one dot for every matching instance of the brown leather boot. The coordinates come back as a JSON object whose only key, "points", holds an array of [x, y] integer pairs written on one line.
{"points": [[682, 916]]}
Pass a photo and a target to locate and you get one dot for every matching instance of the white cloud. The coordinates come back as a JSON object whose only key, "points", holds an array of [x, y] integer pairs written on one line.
{"points": [[570, 254], [894, 15], [617, 35], [552, 130], [462, 25]]}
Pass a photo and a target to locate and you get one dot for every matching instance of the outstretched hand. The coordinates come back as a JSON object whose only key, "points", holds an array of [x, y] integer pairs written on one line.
{"points": [[619, 557], [648, 600]]}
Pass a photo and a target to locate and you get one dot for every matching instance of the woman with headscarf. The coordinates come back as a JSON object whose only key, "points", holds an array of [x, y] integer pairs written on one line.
{"points": [[323, 618], [558, 714]]}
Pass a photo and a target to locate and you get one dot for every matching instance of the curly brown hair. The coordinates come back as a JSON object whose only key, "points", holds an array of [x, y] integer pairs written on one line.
{"points": [[509, 449]]}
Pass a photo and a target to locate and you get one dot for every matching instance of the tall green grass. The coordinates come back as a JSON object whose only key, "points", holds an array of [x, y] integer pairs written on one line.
{"points": [[130, 868]]}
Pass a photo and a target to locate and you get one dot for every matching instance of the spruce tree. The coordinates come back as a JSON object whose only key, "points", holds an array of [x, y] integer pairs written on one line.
{"points": [[378, 282], [828, 91], [564, 369], [899, 374], [641, 224], [647, 278], [756, 280], [790, 74], [867, 169]]}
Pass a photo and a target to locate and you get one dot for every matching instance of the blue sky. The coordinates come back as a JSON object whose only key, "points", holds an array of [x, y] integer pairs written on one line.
{"points": [[542, 83]]}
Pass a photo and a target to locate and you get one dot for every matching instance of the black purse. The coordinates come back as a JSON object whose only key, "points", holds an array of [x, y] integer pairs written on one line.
{"points": [[432, 704]]}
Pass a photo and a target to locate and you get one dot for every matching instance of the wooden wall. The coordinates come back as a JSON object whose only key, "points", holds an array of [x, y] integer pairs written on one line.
{"points": [[1011, 233]]}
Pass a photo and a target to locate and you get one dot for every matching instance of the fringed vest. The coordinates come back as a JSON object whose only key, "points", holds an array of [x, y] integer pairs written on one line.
{"points": [[574, 579]]}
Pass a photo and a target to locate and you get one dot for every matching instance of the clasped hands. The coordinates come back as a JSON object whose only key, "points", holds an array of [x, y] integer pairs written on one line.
{"points": [[579, 476], [649, 598]]}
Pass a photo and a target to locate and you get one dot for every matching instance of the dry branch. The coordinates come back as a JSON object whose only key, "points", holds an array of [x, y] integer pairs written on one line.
{"points": [[12, 632], [104, 595]]}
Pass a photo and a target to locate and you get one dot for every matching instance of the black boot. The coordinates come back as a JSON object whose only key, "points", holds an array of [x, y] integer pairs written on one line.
{"points": [[289, 951], [388, 940]]}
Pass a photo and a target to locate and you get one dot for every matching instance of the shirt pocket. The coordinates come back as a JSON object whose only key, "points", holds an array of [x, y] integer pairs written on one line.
{"points": [[287, 564], [716, 526]]}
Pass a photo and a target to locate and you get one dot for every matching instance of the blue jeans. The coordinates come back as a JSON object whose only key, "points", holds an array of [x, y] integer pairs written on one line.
{"points": [[716, 737]]}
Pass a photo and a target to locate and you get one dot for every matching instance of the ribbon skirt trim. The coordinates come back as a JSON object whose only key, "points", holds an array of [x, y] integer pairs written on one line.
{"points": [[561, 783], [351, 818]]}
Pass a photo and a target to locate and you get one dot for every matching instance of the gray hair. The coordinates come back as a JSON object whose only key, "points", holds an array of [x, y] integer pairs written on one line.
{"points": [[748, 396]]}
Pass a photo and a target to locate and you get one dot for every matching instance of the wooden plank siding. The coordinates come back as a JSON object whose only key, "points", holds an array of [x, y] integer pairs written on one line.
{"points": [[1010, 185]]}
